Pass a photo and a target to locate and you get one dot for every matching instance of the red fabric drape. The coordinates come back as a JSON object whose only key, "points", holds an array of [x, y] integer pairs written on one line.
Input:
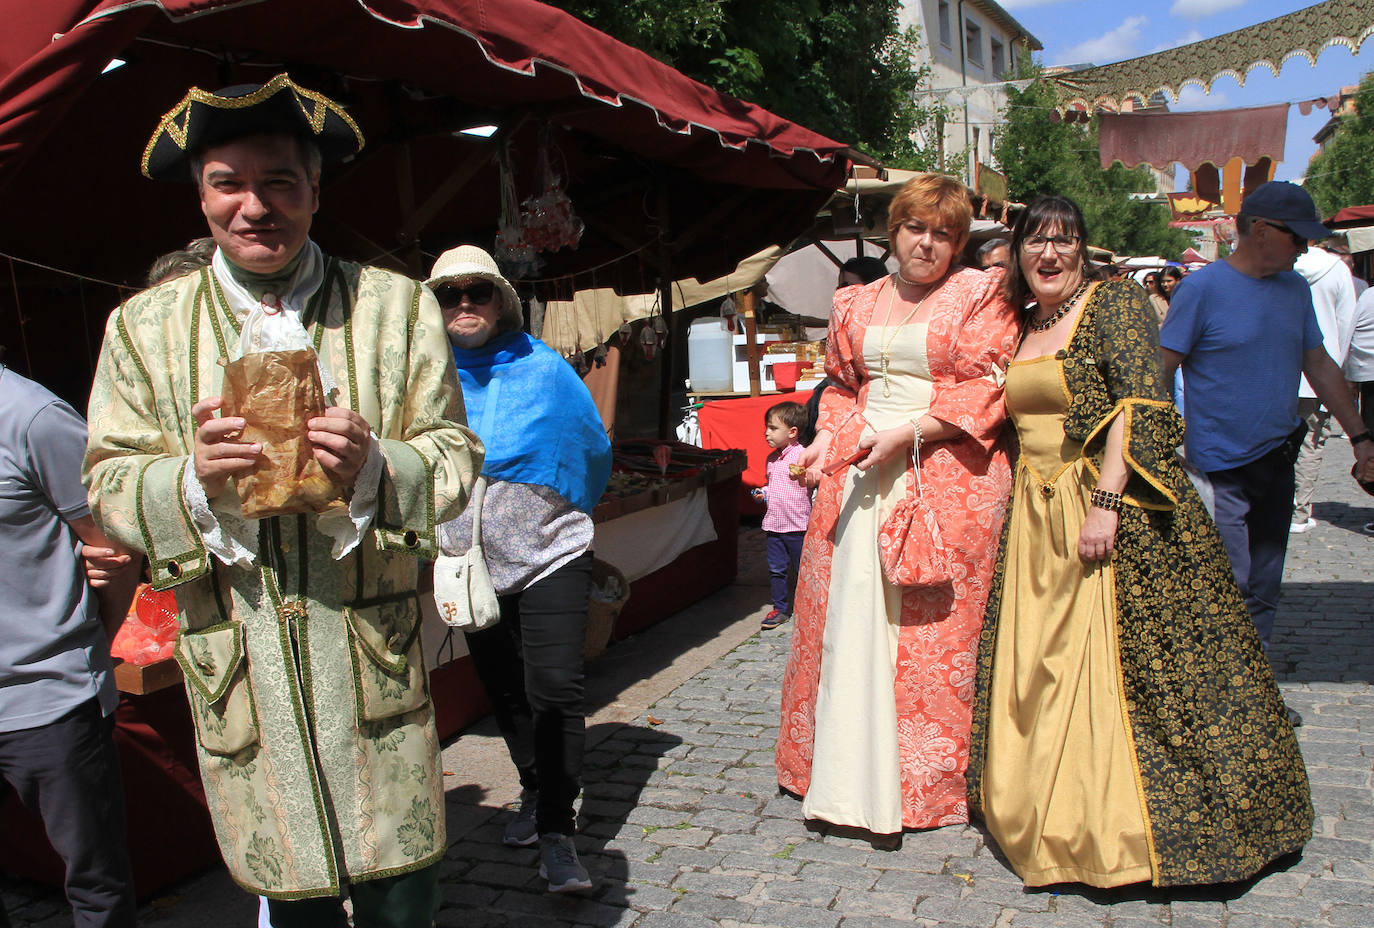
{"points": [[1192, 139]]}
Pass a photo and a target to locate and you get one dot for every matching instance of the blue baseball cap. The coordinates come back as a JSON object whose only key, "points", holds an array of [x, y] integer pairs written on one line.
{"points": [[1286, 203]]}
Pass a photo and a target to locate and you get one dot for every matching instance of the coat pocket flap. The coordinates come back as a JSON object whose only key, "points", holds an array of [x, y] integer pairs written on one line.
{"points": [[385, 633], [209, 658]]}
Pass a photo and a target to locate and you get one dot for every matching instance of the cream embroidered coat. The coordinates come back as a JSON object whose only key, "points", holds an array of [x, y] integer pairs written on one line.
{"points": [[317, 742]]}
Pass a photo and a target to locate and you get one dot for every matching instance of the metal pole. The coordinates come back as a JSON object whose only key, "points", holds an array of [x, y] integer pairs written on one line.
{"points": [[665, 302]]}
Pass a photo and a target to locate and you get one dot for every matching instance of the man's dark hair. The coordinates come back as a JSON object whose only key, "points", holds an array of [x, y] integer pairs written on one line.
{"points": [[792, 415], [865, 267], [990, 246], [311, 157]]}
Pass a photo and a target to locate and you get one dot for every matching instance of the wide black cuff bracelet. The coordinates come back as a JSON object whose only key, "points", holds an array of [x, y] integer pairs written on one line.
{"points": [[1106, 499]]}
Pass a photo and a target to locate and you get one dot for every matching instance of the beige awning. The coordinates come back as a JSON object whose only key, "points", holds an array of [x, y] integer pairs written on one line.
{"points": [[592, 316]]}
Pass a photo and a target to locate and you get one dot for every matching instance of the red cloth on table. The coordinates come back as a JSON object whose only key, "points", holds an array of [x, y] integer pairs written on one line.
{"points": [[1192, 139], [738, 423]]}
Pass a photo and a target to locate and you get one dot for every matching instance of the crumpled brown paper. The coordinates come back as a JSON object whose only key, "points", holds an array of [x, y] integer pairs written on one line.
{"points": [[277, 393]]}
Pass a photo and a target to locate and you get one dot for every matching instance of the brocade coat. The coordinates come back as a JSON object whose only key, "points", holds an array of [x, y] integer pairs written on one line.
{"points": [[1224, 790], [305, 675], [970, 340]]}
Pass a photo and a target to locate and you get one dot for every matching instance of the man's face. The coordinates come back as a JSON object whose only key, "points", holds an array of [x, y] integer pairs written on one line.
{"points": [[1279, 246], [258, 198], [998, 257]]}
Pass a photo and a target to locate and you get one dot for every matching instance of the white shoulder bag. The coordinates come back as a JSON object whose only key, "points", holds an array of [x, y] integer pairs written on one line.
{"points": [[463, 590]]}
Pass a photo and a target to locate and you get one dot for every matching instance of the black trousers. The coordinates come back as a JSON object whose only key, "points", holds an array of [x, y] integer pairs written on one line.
{"points": [[68, 772], [531, 666]]}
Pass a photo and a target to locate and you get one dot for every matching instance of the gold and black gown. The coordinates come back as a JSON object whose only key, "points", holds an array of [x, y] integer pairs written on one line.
{"points": [[1127, 726]]}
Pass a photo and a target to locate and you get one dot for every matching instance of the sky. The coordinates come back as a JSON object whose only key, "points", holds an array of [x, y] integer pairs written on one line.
{"points": [[1103, 31]]}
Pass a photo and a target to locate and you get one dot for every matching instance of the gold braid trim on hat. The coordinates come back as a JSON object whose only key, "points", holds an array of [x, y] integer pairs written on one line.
{"points": [[178, 131]]}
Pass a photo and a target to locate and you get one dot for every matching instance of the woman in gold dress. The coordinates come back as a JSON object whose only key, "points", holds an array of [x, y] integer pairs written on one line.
{"points": [[1127, 726]]}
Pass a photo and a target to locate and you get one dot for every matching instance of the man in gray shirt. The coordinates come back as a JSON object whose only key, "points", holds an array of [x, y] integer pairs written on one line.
{"points": [[57, 690]]}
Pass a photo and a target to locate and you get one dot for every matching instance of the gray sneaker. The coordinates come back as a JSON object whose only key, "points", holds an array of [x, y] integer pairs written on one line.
{"points": [[559, 865], [522, 831]]}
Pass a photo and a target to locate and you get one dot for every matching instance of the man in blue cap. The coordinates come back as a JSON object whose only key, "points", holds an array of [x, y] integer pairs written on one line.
{"points": [[1245, 332]]}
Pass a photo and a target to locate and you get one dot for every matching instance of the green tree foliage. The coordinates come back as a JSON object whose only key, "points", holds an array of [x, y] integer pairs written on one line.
{"points": [[838, 67], [1342, 173], [1040, 156]]}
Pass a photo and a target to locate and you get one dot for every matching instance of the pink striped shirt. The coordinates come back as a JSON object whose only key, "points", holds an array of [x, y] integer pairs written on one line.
{"points": [[789, 503]]}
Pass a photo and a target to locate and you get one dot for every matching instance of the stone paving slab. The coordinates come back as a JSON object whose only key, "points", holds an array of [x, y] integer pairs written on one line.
{"points": [[682, 824]]}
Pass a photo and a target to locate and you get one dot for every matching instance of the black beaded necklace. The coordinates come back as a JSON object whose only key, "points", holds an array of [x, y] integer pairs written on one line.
{"points": [[1049, 322]]}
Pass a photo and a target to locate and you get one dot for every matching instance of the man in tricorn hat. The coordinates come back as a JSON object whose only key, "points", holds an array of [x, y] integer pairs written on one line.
{"points": [[300, 633]]}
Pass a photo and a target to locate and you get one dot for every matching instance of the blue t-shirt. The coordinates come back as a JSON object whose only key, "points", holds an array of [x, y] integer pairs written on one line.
{"points": [[53, 652], [1243, 339]]}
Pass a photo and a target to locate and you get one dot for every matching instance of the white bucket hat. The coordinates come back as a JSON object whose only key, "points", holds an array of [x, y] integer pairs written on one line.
{"points": [[467, 263]]}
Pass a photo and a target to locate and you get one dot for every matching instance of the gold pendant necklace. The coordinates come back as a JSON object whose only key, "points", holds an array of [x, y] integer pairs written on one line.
{"points": [[886, 344]]}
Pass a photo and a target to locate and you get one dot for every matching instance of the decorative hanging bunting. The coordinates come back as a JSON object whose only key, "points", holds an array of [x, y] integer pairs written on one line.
{"points": [[1268, 44], [1193, 139]]}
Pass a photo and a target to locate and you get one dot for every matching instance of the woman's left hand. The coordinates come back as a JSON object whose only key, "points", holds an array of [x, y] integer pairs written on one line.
{"points": [[886, 445], [1098, 538]]}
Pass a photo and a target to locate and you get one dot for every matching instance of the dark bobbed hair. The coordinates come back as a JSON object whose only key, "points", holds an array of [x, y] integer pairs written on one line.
{"points": [[1048, 215], [790, 414], [865, 267]]}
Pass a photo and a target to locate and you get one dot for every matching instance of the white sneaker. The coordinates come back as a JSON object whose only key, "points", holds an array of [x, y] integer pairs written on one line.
{"points": [[1302, 528]]}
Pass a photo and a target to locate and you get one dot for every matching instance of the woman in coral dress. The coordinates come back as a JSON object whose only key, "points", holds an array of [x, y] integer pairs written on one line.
{"points": [[878, 688], [1127, 725]]}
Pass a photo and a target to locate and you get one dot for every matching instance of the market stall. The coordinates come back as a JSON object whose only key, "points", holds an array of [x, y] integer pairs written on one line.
{"points": [[650, 162]]}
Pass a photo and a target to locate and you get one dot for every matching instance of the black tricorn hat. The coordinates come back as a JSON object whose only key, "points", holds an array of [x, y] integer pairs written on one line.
{"points": [[203, 119]]}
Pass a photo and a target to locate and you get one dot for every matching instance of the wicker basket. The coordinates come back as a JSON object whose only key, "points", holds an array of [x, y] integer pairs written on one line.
{"points": [[601, 614]]}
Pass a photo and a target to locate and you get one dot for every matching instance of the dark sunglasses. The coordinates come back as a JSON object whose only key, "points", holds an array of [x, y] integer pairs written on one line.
{"points": [[478, 294], [1298, 240]]}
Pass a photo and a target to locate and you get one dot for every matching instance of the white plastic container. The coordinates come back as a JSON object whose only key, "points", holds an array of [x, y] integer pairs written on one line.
{"points": [[710, 356]]}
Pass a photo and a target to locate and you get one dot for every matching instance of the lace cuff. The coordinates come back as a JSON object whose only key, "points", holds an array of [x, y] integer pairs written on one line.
{"points": [[347, 528], [223, 534]]}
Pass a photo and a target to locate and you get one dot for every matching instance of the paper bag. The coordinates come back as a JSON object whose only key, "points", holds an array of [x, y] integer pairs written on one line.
{"points": [[276, 393]]}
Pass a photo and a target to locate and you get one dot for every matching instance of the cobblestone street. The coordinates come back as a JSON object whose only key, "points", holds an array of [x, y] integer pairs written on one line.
{"points": [[683, 826]]}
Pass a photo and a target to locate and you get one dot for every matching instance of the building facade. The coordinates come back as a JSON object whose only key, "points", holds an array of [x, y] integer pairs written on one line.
{"points": [[972, 47]]}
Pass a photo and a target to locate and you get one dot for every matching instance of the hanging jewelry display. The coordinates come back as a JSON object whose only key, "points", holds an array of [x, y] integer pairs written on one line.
{"points": [[514, 254], [547, 220]]}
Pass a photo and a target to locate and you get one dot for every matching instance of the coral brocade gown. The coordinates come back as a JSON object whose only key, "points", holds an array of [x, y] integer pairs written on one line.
{"points": [[877, 695], [855, 778]]}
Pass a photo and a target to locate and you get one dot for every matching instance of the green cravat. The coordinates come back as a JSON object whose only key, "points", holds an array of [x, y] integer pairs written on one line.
{"points": [[278, 282]]}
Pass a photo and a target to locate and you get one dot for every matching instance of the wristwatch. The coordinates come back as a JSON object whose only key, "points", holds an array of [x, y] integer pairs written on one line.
{"points": [[1363, 436]]}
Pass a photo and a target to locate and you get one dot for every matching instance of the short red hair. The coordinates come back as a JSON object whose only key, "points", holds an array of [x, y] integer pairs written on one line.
{"points": [[936, 197]]}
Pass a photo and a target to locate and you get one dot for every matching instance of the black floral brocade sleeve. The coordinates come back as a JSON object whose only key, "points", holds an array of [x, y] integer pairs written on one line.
{"points": [[1122, 375]]}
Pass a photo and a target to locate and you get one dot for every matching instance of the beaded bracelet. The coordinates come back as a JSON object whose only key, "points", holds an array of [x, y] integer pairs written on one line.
{"points": [[1106, 499], [917, 434]]}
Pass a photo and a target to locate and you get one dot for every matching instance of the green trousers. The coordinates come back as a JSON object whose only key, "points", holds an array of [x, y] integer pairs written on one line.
{"points": [[406, 901]]}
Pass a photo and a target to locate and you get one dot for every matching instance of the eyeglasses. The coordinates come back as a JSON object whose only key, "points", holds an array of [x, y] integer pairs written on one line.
{"points": [[1063, 244], [1298, 240], [478, 294]]}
